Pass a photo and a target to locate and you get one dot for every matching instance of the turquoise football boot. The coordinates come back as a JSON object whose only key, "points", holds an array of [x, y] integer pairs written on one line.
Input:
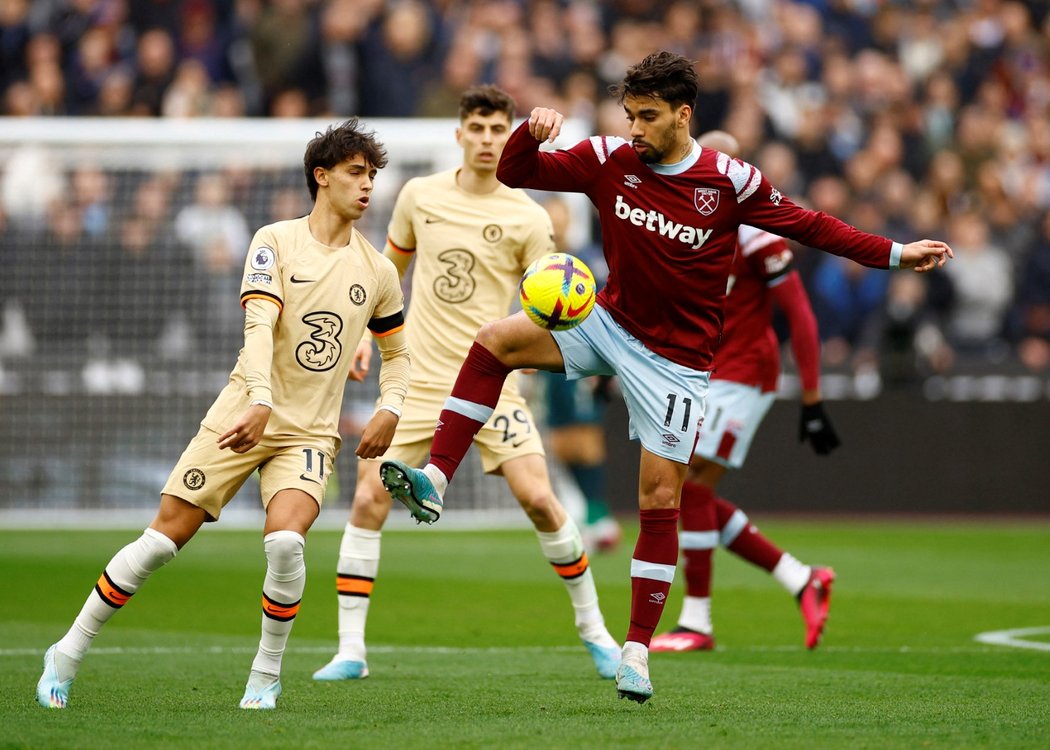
{"points": [[413, 489], [52, 692], [261, 692], [342, 669]]}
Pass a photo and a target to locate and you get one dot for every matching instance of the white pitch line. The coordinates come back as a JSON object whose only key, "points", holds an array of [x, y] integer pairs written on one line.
{"points": [[165, 650], [162, 650], [1015, 638]]}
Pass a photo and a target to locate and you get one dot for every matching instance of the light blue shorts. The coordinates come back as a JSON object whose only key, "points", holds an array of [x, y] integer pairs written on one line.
{"points": [[665, 400], [734, 412]]}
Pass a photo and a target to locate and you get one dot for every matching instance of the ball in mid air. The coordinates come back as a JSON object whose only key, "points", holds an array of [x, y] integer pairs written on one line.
{"points": [[557, 291]]}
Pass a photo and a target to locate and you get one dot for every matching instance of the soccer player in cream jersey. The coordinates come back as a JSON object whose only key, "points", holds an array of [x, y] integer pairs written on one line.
{"points": [[471, 239], [311, 287]]}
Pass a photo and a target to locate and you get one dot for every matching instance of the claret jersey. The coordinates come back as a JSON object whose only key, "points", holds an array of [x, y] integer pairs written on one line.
{"points": [[750, 350], [669, 232], [470, 251], [327, 296]]}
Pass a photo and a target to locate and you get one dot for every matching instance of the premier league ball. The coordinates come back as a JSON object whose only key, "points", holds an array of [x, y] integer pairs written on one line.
{"points": [[557, 291]]}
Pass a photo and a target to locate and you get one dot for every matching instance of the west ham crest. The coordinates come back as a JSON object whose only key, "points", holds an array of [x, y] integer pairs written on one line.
{"points": [[705, 200]]}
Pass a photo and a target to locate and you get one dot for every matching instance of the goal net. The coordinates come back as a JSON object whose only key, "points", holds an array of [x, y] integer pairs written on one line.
{"points": [[123, 245]]}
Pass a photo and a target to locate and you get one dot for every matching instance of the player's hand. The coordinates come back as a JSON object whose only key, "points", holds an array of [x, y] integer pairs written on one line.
{"points": [[378, 433], [925, 255], [362, 359], [248, 430], [545, 124], [815, 427]]}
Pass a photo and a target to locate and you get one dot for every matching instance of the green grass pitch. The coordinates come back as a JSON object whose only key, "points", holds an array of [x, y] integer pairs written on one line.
{"points": [[472, 646]]}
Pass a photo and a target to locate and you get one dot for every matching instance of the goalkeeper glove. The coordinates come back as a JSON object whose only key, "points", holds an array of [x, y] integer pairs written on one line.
{"points": [[815, 426]]}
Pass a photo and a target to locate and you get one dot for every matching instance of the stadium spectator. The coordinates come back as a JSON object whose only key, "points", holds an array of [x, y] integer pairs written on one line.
{"points": [[58, 271], [150, 285], [280, 47], [401, 52], [982, 285], [216, 233], [155, 71], [1033, 309]]}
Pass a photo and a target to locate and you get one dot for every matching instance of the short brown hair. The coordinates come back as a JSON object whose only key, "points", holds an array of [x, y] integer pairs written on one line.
{"points": [[336, 145], [662, 75], [485, 100]]}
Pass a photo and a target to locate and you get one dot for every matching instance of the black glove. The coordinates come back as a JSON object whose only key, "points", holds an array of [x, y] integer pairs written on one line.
{"points": [[816, 427]]}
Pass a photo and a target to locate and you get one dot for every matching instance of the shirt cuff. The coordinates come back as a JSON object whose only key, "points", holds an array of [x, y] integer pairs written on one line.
{"points": [[392, 409], [895, 255], [261, 402]]}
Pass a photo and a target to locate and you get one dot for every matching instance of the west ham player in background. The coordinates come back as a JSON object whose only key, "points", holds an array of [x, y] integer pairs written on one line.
{"points": [[743, 386], [670, 211]]}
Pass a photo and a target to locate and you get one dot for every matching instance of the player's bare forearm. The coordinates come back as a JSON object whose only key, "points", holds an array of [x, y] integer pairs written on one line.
{"points": [[377, 435], [361, 361], [925, 255], [248, 430]]}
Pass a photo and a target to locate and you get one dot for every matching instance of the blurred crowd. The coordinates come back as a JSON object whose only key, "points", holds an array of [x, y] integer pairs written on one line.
{"points": [[917, 118]]}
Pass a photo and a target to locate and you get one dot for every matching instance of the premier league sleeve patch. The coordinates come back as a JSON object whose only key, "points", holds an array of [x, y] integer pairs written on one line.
{"points": [[263, 258]]}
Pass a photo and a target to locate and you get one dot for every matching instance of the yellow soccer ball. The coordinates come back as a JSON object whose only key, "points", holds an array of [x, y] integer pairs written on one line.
{"points": [[557, 291]]}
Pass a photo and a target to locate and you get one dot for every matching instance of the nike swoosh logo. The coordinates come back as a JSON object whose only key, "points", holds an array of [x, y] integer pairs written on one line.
{"points": [[301, 281], [433, 219], [306, 478]]}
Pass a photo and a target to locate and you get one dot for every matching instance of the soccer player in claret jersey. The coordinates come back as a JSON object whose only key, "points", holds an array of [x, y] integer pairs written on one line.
{"points": [[742, 389], [471, 239], [669, 212], [311, 286]]}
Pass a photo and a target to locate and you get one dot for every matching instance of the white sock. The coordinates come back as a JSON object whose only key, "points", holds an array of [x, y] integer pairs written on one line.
{"points": [[437, 478], [564, 550], [635, 647], [123, 576], [355, 576], [696, 614], [791, 574], [282, 592]]}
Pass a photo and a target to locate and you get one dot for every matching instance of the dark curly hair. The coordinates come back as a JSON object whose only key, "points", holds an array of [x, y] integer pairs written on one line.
{"points": [[485, 100], [336, 145], [662, 75]]}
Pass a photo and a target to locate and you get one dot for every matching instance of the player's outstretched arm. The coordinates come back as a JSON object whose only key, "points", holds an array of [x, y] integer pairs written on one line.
{"points": [[545, 124], [925, 255]]}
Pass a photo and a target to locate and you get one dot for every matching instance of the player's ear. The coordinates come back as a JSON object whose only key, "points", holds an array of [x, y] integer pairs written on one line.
{"points": [[685, 114], [321, 176], [459, 136]]}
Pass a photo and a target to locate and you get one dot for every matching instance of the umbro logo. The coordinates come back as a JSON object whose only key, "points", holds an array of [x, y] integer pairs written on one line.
{"points": [[657, 597], [301, 281], [631, 181], [670, 440]]}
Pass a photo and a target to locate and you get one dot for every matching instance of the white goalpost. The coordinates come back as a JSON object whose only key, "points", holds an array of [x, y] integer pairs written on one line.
{"points": [[123, 243]]}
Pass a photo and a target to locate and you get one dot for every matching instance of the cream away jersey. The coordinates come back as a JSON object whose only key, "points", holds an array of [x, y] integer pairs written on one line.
{"points": [[327, 296], [470, 253]]}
